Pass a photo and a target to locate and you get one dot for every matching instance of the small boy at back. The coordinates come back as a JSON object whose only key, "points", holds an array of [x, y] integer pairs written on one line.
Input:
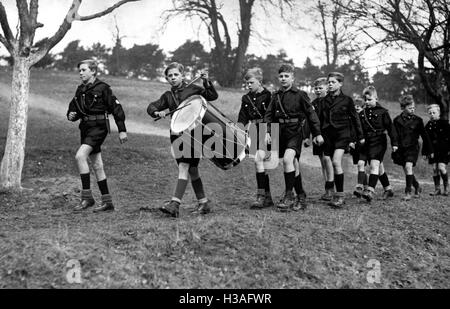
{"points": [[438, 131], [409, 127]]}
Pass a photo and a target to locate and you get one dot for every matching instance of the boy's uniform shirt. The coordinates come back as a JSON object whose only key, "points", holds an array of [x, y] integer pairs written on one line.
{"points": [[174, 97], [409, 128], [375, 121], [338, 113], [287, 106], [254, 106], [96, 99], [438, 132]]}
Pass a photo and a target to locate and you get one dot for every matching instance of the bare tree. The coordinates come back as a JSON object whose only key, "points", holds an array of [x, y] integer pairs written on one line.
{"points": [[422, 24], [228, 60], [335, 32], [25, 53]]}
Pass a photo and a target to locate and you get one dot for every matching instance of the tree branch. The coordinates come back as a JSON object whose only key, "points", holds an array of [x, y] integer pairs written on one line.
{"points": [[8, 38], [105, 12]]}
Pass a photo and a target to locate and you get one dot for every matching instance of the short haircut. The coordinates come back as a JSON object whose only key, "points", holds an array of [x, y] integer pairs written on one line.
{"points": [[406, 100], [320, 81], [174, 65], [254, 73], [337, 75], [370, 90], [92, 65], [433, 106], [286, 68]]}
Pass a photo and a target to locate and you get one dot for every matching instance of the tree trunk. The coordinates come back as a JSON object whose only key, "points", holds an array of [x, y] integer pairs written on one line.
{"points": [[13, 158]]}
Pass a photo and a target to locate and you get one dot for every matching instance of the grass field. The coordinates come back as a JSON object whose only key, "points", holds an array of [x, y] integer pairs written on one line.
{"points": [[234, 247]]}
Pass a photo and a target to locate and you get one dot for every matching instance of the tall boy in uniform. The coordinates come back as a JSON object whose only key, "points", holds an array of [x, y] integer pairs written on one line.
{"points": [[289, 107], [91, 105], [253, 108], [187, 166], [409, 128], [339, 121]]}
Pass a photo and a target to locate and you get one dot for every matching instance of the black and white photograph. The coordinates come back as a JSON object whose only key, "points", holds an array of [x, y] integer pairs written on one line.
{"points": [[248, 146]]}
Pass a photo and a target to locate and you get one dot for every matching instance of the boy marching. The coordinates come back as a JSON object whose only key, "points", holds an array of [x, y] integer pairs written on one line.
{"points": [[91, 105], [409, 127], [253, 108], [187, 166]]}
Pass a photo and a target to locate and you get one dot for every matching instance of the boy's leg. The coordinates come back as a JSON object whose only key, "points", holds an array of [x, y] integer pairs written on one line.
{"points": [[260, 180], [359, 189], [301, 203], [172, 208], [106, 199], [338, 178], [408, 168], [436, 180], [289, 179], [329, 184], [197, 184], [373, 179], [444, 175], [384, 180], [87, 199]]}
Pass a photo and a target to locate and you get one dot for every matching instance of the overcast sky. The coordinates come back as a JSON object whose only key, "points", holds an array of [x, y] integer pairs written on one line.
{"points": [[140, 23]]}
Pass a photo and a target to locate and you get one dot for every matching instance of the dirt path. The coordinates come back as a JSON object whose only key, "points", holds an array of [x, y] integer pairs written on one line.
{"points": [[59, 109]]}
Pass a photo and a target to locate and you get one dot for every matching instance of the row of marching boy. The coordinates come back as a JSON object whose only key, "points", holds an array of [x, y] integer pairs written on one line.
{"points": [[332, 119]]}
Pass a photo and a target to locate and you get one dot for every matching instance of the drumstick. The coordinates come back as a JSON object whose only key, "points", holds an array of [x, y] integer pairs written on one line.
{"points": [[194, 80], [170, 113]]}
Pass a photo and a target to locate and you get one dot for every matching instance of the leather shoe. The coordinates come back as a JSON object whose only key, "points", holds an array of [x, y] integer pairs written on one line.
{"points": [[171, 208], [104, 207], [84, 204]]}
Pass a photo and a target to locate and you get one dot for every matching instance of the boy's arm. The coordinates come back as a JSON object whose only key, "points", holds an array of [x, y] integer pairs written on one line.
{"points": [[73, 109], [115, 108], [356, 122], [427, 146], [209, 92], [243, 114], [157, 106], [311, 115], [269, 115], [392, 132]]}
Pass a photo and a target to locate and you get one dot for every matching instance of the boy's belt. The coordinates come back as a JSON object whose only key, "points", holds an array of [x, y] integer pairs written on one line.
{"points": [[291, 120], [374, 134], [256, 120], [93, 117]]}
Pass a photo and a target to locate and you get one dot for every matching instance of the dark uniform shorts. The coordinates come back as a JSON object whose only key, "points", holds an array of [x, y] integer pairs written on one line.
{"points": [[191, 155], [93, 133], [374, 148], [335, 139], [290, 138], [406, 154], [439, 157]]}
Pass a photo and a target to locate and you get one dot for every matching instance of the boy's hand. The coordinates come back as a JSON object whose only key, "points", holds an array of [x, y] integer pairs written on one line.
{"points": [[204, 75], [268, 139], [123, 137], [362, 142], [394, 148], [307, 142], [160, 114], [318, 140], [72, 116], [352, 145], [432, 156]]}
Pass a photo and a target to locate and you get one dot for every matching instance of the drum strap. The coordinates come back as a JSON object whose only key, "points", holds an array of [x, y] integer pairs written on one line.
{"points": [[174, 98], [253, 105], [281, 106], [368, 122]]}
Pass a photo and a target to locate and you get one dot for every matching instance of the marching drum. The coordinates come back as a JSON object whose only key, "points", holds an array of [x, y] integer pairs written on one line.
{"points": [[230, 142]]}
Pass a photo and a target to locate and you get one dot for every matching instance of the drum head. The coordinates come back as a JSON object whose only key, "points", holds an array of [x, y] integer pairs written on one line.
{"points": [[190, 114]]}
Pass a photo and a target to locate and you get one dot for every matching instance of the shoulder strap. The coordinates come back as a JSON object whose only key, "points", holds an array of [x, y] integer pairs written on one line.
{"points": [[253, 105], [281, 106], [367, 121], [174, 98]]}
